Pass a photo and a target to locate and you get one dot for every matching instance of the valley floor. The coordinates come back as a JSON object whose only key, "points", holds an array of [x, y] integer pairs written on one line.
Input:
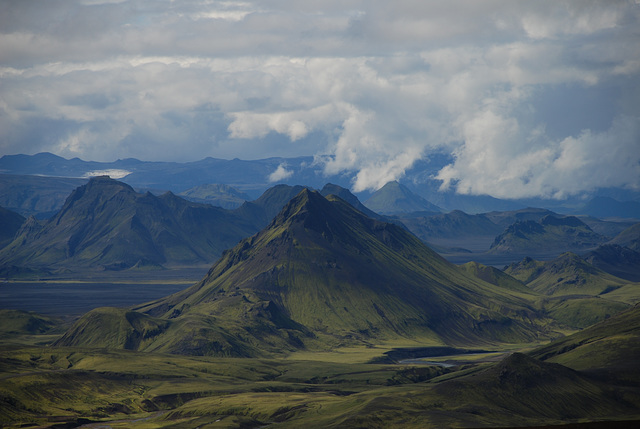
{"points": [[43, 386]]}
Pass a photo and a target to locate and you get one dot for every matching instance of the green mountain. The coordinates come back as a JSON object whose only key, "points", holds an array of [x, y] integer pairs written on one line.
{"points": [[106, 223], [10, 223], [262, 210], [219, 195], [548, 236], [119, 328], [323, 274], [395, 198]]}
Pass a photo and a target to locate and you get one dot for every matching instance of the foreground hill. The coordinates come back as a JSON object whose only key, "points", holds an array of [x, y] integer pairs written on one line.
{"points": [[106, 223], [322, 275]]}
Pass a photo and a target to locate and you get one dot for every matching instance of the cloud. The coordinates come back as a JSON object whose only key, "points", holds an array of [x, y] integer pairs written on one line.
{"points": [[368, 87], [543, 167], [281, 173]]}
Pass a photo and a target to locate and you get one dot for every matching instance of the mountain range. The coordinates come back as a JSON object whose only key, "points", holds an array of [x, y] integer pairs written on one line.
{"points": [[254, 177], [106, 223]]}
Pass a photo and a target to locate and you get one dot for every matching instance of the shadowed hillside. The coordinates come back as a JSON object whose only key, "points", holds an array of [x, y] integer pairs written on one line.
{"points": [[106, 223]]}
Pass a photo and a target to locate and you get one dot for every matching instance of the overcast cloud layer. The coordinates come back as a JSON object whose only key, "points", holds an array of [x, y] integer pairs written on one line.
{"points": [[534, 98]]}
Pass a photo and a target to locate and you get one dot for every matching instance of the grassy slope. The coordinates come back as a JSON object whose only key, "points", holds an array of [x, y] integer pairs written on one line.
{"points": [[574, 292], [611, 346], [144, 390]]}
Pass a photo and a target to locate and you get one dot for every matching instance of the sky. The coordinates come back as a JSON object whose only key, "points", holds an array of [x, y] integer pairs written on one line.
{"points": [[531, 98]]}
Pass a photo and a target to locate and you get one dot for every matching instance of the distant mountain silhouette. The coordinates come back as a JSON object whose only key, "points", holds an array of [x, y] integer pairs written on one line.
{"points": [[606, 207], [395, 198], [219, 195]]}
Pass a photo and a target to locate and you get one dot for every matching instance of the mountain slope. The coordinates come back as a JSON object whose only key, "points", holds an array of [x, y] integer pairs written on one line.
{"points": [[577, 294], [106, 223], [611, 347], [616, 260], [567, 274], [550, 235], [323, 273], [453, 229], [10, 223], [219, 195], [395, 198], [630, 238], [494, 276]]}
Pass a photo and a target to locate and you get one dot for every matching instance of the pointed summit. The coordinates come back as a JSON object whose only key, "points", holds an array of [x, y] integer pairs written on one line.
{"points": [[394, 198]]}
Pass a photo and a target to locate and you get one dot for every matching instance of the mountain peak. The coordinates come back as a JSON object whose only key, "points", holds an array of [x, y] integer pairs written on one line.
{"points": [[397, 198], [330, 272], [307, 201]]}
